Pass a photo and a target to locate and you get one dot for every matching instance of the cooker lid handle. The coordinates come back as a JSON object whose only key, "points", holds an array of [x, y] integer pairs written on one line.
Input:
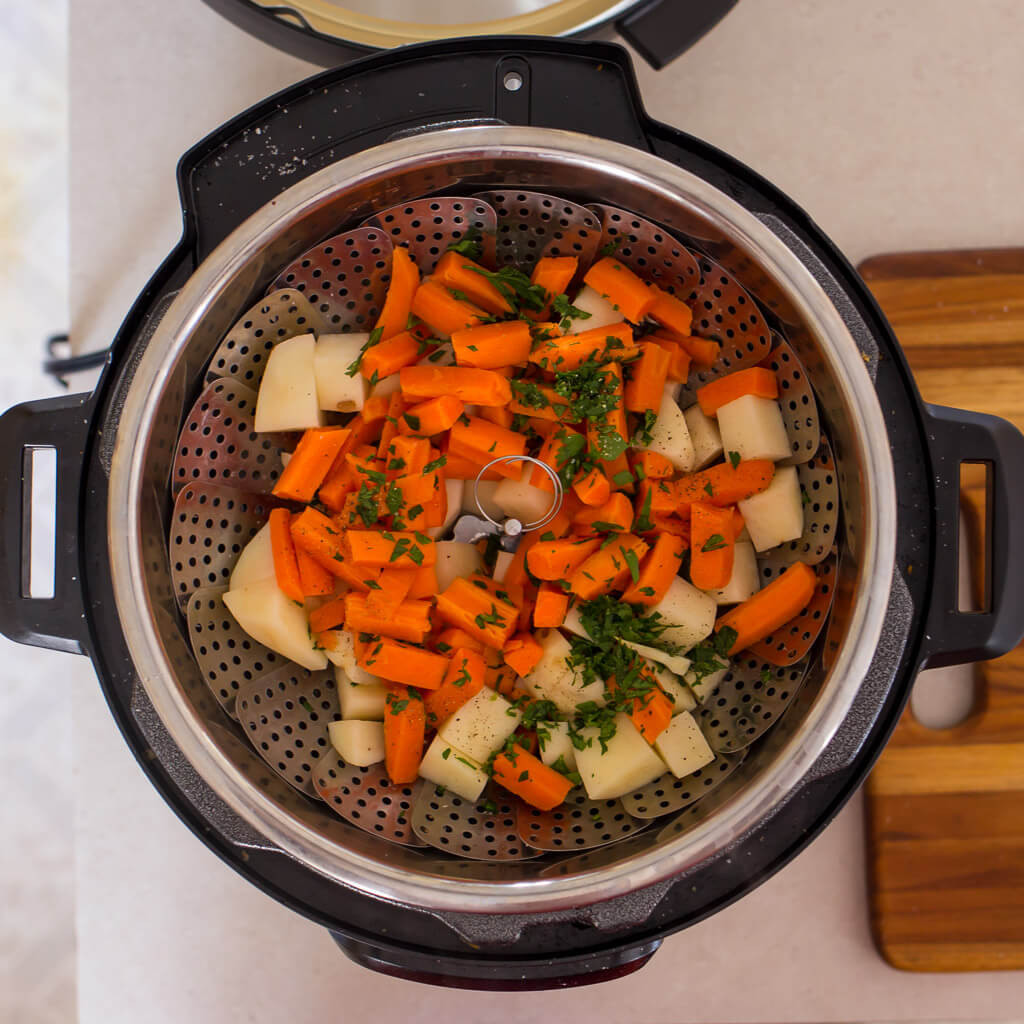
{"points": [[59, 425], [953, 636], [663, 29]]}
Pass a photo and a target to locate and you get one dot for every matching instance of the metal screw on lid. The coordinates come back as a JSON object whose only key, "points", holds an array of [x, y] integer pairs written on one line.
{"points": [[470, 529]]}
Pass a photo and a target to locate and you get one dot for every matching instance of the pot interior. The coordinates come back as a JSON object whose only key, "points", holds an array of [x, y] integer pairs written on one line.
{"points": [[336, 199]]}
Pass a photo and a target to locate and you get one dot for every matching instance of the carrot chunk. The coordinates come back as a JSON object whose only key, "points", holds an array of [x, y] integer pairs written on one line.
{"points": [[490, 346], [468, 384], [725, 484], [530, 779], [286, 566], [771, 607], [570, 352], [553, 274], [405, 728], [657, 571], [756, 380], [522, 653], [461, 274], [310, 462], [629, 294], [401, 549], [400, 662], [388, 357], [463, 680], [481, 441], [559, 559], [646, 384], [441, 311], [671, 312], [712, 545], [609, 568], [484, 616], [551, 608], [615, 514]]}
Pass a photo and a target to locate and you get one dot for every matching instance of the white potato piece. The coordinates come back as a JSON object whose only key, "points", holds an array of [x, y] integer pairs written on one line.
{"points": [[286, 457], [682, 746], [573, 623], [602, 312], [628, 763], [520, 500], [776, 515], [481, 725], [455, 559], [343, 655], [501, 565], [557, 744], [690, 611], [703, 688], [675, 663], [572, 692], [552, 679], [336, 391], [754, 427], [287, 398], [676, 690], [445, 766], [485, 492], [707, 441], [670, 436], [361, 701], [358, 743], [745, 579], [275, 621], [256, 562], [453, 492]]}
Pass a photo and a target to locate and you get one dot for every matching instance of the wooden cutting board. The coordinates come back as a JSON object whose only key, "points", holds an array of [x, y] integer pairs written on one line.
{"points": [[945, 808]]}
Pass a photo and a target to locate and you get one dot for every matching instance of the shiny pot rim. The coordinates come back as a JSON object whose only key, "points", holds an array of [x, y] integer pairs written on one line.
{"points": [[243, 248]]}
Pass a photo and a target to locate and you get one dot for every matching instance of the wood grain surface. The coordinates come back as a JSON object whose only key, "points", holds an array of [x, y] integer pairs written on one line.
{"points": [[945, 808]]}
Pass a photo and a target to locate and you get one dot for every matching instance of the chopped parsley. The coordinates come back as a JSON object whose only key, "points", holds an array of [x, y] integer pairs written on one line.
{"points": [[713, 543], [515, 287], [373, 339], [735, 458], [469, 245]]}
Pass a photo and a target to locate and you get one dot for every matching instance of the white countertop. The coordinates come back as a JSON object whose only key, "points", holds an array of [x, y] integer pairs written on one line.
{"points": [[898, 126]]}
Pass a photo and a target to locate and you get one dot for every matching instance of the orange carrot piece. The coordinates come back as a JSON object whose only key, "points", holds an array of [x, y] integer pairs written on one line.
{"points": [[671, 312], [409, 621], [329, 615], [614, 420], [490, 346], [673, 525], [476, 387], [703, 351], [452, 638], [400, 662], [480, 441], [510, 592], [405, 279], [654, 466], [396, 406], [651, 712], [678, 357], [656, 497], [500, 415], [463, 680], [286, 566], [551, 455], [657, 571], [424, 584], [629, 294], [646, 385], [551, 608], [432, 417], [405, 729], [522, 653], [316, 580], [725, 484], [553, 274], [559, 559], [530, 779], [393, 586], [755, 380], [310, 462], [613, 343], [388, 357], [407, 455], [461, 274], [615, 514], [772, 606], [483, 616], [441, 311], [459, 468], [537, 400], [712, 546], [592, 487], [375, 409], [397, 549], [608, 568]]}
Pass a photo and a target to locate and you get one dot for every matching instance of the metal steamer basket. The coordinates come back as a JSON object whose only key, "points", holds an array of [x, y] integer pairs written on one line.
{"points": [[411, 882]]}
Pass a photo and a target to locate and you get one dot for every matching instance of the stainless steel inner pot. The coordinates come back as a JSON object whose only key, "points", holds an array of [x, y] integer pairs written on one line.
{"points": [[467, 160]]}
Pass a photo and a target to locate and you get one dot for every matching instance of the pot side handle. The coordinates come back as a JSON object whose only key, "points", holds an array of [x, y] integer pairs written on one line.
{"points": [[661, 30], [953, 636], [61, 425]]}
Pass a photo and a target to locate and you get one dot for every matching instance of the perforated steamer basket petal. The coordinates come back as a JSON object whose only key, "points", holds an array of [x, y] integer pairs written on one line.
{"points": [[578, 824], [210, 525], [281, 314], [530, 225], [344, 279], [367, 798], [285, 714], [227, 656], [796, 400], [669, 794], [429, 226], [218, 444]]}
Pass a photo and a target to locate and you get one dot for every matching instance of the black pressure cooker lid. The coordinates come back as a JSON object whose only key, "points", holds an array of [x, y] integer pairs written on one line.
{"points": [[331, 33]]}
